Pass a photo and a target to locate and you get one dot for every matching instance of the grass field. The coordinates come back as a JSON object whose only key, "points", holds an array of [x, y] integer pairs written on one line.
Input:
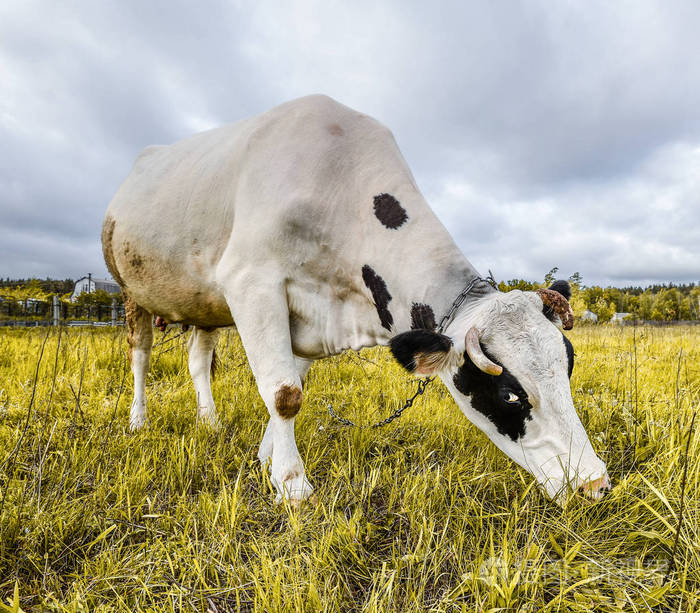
{"points": [[422, 515]]}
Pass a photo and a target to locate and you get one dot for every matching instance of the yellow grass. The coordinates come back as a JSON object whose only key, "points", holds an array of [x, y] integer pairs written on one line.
{"points": [[423, 515]]}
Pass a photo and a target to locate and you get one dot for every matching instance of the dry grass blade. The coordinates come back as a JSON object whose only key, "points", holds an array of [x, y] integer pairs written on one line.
{"points": [[672, 564], [9, 462]]}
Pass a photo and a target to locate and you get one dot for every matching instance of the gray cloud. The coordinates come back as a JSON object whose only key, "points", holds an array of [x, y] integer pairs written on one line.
{"points": [[543, 135]]}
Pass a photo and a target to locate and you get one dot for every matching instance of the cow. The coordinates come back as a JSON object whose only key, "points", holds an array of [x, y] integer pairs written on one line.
{"points": [[304, 228]]}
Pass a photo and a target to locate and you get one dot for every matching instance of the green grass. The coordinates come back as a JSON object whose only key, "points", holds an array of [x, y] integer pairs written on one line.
{"points": [[423, 515]]}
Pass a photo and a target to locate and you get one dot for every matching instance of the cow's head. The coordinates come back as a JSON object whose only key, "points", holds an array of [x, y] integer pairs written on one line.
{"points": [[508, 366]]}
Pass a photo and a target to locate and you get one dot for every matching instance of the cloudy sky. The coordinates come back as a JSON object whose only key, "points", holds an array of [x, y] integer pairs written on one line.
{"points": [[542, 133]]}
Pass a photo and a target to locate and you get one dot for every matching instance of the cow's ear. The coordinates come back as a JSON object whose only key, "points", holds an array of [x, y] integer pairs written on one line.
{"points": [[422, 352], [562, 286]]}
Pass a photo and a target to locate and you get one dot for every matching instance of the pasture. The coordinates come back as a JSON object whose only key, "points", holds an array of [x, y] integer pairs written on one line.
{"points": [[422, 515]]}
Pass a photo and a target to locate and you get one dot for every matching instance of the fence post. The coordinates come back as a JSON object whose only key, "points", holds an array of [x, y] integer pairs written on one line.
{"points": [[114, 311], [56, 310]]}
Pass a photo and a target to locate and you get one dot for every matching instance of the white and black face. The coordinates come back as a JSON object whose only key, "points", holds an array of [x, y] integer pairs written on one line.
{"points": [[512, 381]]}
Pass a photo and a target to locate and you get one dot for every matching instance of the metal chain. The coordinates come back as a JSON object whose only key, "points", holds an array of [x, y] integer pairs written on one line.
{"points": [[447, 319], [423, 383]]}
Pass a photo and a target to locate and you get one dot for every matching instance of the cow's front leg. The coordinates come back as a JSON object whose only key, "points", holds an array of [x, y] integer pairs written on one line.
{"points": [[279, 448], [201, 346], [263, 325], [286, 467], [265, 450]]}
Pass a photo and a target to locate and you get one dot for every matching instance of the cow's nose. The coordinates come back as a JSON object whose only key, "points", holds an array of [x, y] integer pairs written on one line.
{"points": [[596, 489]]}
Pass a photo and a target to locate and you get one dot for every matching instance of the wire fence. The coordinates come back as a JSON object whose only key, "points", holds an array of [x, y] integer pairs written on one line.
{"points": [[33, 312]]}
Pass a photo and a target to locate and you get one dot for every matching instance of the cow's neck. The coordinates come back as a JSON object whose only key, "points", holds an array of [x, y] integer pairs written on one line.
{"points": [[378, 284], [424, 272], [422, 296]]}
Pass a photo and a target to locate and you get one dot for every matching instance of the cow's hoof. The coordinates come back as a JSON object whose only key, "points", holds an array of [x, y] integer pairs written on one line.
{"points": [[296, 492], [209, 420], [137, 415], [298, 503], [136, 422]]}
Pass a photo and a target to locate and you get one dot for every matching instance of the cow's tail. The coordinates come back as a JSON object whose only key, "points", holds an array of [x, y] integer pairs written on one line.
{"points": [[214, 363]]}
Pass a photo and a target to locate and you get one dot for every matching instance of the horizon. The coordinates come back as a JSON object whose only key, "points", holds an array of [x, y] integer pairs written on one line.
{"points": [[583, 285]]}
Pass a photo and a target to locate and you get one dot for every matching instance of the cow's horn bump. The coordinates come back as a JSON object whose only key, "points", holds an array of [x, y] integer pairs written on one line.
{"points": [[474, 351]]}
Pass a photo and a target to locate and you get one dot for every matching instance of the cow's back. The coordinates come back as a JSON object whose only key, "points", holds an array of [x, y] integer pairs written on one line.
{"points": [[279, 184]]}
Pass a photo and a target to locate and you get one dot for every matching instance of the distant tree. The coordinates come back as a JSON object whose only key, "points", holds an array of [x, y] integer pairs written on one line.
{"points": [[29, 290], [694, 298], [47, 286], [667, 304], [576, 281], [656, 315], [99, 296], [578, 304], [550, 277], [661, 302], [614, 295], [632, 303], [521, 284], [603, 309], [58, 286], [591, 295], [685, 308]]}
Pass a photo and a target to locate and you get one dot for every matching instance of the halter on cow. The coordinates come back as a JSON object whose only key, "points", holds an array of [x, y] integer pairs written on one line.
{"points": [[304, 228]]}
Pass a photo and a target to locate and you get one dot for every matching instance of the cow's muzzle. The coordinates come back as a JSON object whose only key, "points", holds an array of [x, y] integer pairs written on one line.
{"points": [[596, 489]]}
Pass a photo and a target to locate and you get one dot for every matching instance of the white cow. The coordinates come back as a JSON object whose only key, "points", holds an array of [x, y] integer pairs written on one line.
{"points": [[304, 228]]}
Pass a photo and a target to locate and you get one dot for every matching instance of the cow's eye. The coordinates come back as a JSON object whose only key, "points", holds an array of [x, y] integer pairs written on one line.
{"points": [[511, 398]]}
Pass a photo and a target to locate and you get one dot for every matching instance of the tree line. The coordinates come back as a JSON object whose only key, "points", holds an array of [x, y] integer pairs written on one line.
{"points": [[665, 302], [46, 286], [44, 290], [660, 302]]}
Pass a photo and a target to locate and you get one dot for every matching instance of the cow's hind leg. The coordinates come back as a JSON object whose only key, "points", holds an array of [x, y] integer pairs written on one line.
{"points": [[265, 451], [201, 347], [263, 325], [140, 337]]}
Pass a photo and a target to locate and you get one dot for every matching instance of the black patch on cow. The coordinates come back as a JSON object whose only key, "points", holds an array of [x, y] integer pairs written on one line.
{"points": [[389, 211], [488, 395], [562, 286], [422, 317], [406, 345], [569, 354], [380, 294]]}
